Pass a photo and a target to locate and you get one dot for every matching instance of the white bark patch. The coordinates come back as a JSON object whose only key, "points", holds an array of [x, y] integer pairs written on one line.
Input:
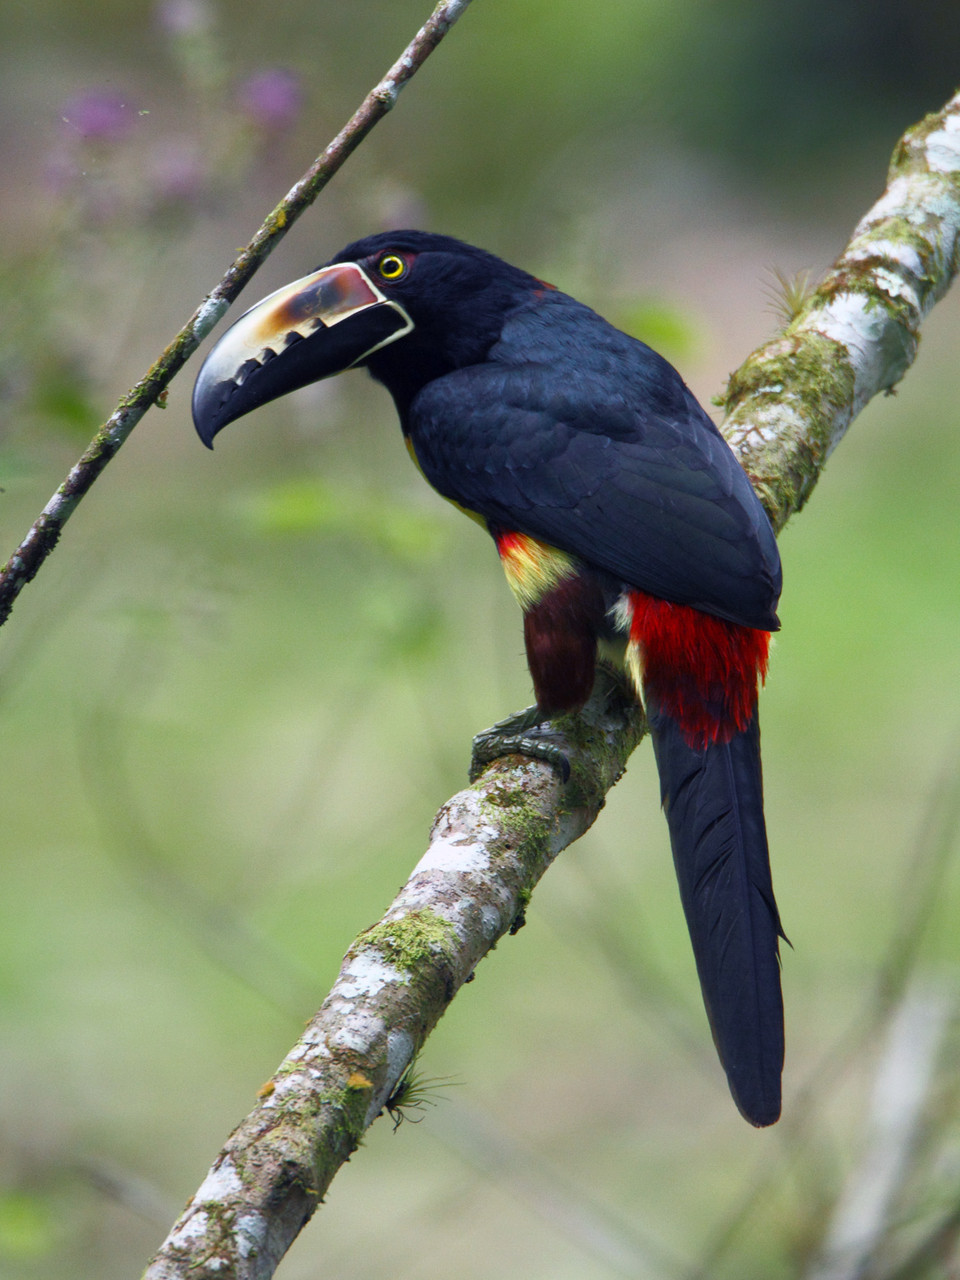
{"points": [[458, 853], [905, 255], [943, 147], [359, 1030], [219, 1184], [927, 204], [399, 1057], [312, 1046], [291, 1083], [251, 1234], [877, 350], [894, 203], [195, 1228], [895, 286], [367, 974], [312, 1042], [490, 921], [769, 424], [208, 314]]}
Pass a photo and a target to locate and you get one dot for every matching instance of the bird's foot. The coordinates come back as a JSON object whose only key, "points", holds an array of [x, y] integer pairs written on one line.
{"points": [[526, 733]]}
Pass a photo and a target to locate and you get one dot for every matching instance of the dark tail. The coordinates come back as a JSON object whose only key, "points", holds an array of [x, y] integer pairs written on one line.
{"points": [[713, 799]]}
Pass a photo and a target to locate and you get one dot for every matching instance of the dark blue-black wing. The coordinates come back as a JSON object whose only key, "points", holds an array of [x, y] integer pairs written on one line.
{"points": [[623, 471]]}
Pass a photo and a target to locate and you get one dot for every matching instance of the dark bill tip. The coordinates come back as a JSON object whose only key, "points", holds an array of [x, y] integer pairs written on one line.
{"points": [[306, 330], [311, 329], [219, 400]]}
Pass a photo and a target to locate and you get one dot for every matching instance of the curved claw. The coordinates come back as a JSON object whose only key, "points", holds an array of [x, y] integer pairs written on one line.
{"points": [[525, 734]]}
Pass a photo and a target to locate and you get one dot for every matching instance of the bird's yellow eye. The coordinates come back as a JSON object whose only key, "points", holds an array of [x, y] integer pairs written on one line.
{"points": [[391, 266]]}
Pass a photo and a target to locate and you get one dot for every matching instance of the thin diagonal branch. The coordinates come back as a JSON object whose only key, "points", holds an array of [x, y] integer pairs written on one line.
{"points": [[790, 404], [900, 1090], [45, 532]]}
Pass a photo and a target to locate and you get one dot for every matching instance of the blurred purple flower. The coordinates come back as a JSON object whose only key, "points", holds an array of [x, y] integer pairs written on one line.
{"points": [[177, 170], [99, 116], [272, 99], [184, 17]]}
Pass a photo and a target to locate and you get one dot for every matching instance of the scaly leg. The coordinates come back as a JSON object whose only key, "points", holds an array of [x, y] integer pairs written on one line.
{"points": [[525, 733]]}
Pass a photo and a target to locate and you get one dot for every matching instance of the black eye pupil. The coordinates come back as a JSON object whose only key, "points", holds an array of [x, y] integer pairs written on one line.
{"points": [[392, 267]]}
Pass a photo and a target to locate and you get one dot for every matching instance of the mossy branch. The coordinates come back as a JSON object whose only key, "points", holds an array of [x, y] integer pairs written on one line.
{"points": [[490, 845], [45, 532], [791, 402]]}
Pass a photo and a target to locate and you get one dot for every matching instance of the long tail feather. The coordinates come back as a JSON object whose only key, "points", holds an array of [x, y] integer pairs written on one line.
{"points": [[713, 799]]}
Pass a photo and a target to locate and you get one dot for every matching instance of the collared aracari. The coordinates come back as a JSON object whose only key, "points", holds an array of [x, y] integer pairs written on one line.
{"points": [[620, 515]]}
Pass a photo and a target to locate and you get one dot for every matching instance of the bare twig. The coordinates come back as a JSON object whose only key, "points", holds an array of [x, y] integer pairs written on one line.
{"points": [[900, 1090], [45, 532]]}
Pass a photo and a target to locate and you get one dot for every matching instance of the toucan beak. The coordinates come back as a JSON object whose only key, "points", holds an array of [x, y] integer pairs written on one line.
{"points": [[308, 330]]}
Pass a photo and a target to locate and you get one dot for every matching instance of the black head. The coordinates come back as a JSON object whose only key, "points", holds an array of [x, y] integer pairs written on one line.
{"points": [[407, 305], [456, 295]]}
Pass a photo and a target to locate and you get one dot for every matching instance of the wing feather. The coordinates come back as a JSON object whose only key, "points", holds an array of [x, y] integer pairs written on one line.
{"points": [[611, 459]]}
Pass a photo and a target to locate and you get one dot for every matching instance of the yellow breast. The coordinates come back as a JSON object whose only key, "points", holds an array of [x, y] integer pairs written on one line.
{"points": [[533, 568]]}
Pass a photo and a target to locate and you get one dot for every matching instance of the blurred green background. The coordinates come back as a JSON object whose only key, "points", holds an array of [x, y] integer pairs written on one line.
{"points": [[234, 698]]}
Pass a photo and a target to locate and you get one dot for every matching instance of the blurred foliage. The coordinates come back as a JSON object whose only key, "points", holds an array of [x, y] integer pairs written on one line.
{"points": [[665, 328], [236, 695], [26, 1226], [316, 508]]}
